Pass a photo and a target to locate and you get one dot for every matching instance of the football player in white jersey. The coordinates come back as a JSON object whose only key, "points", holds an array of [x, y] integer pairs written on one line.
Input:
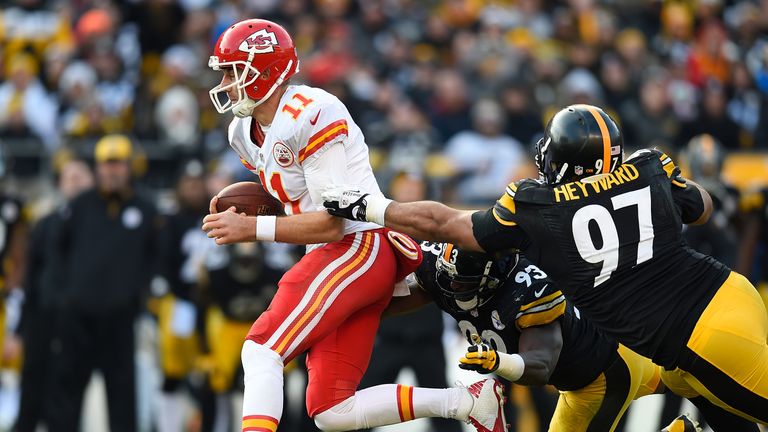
{"points": [[300, 140]]}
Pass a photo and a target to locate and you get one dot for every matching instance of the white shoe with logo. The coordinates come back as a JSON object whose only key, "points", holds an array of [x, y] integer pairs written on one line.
{"points": [[487, 414]]}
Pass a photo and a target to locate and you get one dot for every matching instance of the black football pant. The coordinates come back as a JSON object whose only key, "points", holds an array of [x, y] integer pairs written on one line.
{"points": [[103, 341], [38, 334]]}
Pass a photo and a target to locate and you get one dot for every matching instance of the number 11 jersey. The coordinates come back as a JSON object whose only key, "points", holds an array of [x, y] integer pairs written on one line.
{"points": [[286, 154], [613, 244]]}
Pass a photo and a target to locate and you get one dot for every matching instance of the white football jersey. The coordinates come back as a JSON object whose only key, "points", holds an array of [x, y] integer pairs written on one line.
{"points": [[308, 121]]}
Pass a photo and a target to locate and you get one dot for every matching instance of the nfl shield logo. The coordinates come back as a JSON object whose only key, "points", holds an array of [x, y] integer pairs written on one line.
{"points": [[578, 170]]}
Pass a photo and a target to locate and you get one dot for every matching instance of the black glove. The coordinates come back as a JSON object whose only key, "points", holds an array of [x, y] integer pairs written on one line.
{"points": [[347, 203]]}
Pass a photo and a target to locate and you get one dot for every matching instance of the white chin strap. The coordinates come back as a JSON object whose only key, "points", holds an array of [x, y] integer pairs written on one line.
{"points": [[467, 305], [244, 107]]}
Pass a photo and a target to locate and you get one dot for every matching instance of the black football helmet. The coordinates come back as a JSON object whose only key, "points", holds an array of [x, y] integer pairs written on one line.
{"points": [[467, 280], [580, 141], [705, 157]]}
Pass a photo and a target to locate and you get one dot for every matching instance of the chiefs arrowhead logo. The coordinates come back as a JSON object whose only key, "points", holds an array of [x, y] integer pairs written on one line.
{"points": [[283, 155], [262, 41]]}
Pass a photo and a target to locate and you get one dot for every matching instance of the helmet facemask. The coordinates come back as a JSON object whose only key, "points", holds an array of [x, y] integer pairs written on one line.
{"points": [[245, 76], [548, 170], [465, 292]]}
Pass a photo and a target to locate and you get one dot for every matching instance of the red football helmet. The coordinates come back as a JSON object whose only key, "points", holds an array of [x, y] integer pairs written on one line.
{"points": [[253, 48]]}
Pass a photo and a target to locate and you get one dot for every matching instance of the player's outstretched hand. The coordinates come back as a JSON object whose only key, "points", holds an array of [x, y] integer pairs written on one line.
{"points": [[346, 202], [481, 358]]}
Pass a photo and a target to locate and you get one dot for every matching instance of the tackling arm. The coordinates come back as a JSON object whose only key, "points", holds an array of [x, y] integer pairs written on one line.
{"points": [[540, 349], [427, 220], [430, 220], [480, 231]]}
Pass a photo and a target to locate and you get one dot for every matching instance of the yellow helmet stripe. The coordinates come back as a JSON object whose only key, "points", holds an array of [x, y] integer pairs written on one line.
{"points": [[606, 138]]}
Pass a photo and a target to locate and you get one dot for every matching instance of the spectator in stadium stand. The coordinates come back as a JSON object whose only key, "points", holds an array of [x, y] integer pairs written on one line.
{"points": [[177, 112], [54, 62], [616, 81], [580, 85], [523, 116], [76, 91], [449, 105], [632, 48], [485, 158], [42, 302], [713, 119], [709, 57], [94, 30], [335, 59], [114, 91], [26, 108], [649, 119], [32, 26], [676, 29], [744, 103], [107, 241], [409, 137], [403, 340], [160, 24]]}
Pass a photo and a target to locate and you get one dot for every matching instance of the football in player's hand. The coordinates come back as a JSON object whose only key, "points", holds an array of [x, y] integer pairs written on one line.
{"points": [[249, 198]]}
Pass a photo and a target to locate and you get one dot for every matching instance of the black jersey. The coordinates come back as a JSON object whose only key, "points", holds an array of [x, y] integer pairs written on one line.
{"points": [[243, 277], [527, 298], [184, 249], [755, 203], [613, 243], [10, 218]]}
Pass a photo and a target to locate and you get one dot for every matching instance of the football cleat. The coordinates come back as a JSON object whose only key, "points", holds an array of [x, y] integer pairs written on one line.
{"points": [[487, 414], [682, 424]]}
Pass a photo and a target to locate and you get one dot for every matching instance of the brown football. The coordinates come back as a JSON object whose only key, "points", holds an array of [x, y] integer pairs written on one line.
{"points": [[249, 198]]}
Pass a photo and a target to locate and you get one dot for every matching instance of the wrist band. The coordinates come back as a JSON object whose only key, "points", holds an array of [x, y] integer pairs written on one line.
{"points": [[375, 209], [265, 228], [511, 366]]}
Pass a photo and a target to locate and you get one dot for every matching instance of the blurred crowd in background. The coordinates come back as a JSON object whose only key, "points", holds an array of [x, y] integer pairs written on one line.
{"points": [[421, 77], [450, 95]]}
